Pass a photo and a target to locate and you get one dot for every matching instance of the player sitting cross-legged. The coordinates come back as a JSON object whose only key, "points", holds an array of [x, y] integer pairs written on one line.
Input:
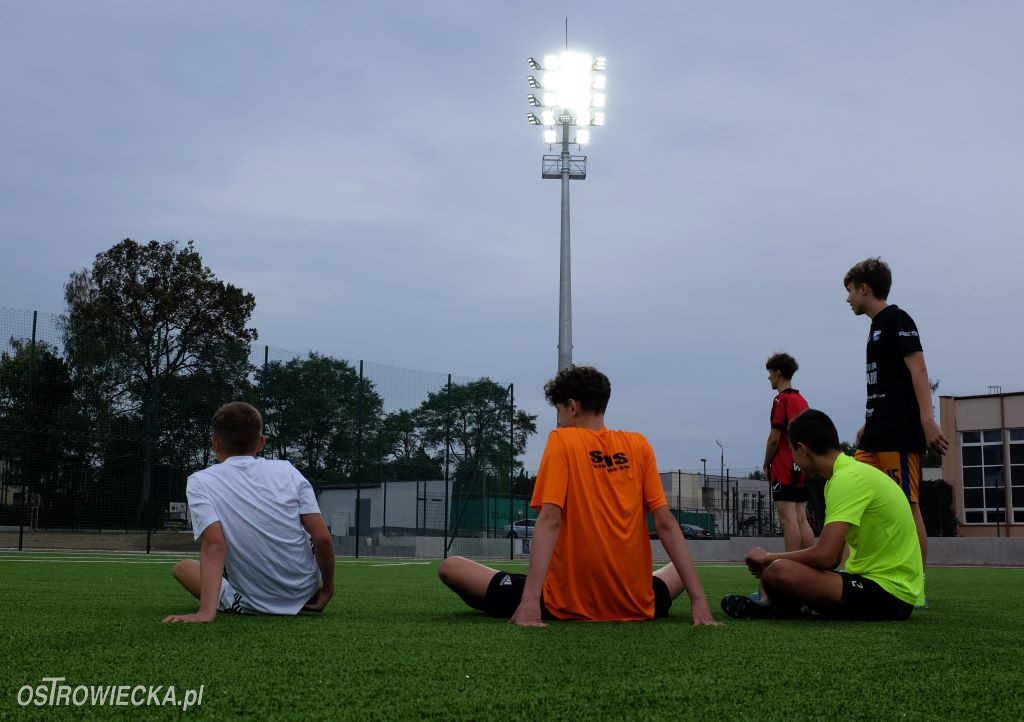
{"points": [[591, 553], [883, 579], [265, 547]]}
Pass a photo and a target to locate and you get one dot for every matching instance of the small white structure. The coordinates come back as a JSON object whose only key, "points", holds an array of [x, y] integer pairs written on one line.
{"points": [[406, 506]]}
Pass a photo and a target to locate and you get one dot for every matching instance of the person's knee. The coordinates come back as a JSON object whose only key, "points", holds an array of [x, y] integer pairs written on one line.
{"points": [[780, 574], [446, 570], [180, 570]]}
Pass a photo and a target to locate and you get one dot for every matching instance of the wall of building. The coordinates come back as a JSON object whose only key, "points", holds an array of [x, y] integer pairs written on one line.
{"points": [[993, 413]]}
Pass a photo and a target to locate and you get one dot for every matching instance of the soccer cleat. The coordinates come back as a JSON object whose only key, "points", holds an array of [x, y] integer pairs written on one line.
{"points": [[738, 606]]}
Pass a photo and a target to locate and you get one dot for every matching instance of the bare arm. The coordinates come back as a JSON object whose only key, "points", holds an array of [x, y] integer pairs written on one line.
{"points": [[923, 391], [678, 551], [323, 550], [774, 436], [825, 555], [211, 570], [545, 534]]}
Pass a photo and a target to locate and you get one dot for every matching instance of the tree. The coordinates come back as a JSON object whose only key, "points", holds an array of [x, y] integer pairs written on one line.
{"points": [[41, 431], [936, 500], [317, 413], [474, 418], [138, 323], [399, 446], [146, 312]]}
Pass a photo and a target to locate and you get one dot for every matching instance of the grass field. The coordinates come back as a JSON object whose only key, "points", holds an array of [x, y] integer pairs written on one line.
{"points": [[394, 644]]}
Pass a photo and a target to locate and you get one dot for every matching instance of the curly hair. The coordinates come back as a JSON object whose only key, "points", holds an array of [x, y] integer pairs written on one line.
{"points": [[783, 363], [238, 425], [585, 384], [875, 273]]}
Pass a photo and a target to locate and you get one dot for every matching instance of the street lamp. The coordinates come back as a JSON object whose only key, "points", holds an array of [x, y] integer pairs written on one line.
{"points": [[571, 97]]}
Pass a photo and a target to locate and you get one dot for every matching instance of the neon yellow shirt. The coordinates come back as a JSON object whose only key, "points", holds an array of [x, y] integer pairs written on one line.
{"points": [[882, 537]]}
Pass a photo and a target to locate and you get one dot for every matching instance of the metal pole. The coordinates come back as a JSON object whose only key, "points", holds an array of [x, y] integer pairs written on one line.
{"points": [[721, 478], [147, 481], [27, 453], [565, 280], [679, 493], [359, 453], [447, 446], [511, 462]]}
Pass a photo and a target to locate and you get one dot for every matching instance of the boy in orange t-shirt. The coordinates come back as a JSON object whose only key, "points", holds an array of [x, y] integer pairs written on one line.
{"points": [[591, 554]]}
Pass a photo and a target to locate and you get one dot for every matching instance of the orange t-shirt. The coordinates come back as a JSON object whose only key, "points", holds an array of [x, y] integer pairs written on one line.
{"points": [[605, 483]]}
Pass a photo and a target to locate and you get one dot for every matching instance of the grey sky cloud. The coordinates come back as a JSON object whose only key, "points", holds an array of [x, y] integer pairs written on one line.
{"points": [[366, 171]]}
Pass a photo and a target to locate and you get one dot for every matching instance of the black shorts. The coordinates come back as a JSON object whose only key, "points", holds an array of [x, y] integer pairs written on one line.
{"points": [[505, 591], [788, 492], [863, 599]]}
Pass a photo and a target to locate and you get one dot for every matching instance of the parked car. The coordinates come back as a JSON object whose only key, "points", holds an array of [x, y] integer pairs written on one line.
{"points": [[522, 528], [692, 531]]}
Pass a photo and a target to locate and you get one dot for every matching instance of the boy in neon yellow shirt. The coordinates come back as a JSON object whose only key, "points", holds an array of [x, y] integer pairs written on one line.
{"points": [[883, 579]]}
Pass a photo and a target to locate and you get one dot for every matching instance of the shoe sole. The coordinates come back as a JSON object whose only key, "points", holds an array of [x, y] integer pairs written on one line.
{"points": [[738, 606]]}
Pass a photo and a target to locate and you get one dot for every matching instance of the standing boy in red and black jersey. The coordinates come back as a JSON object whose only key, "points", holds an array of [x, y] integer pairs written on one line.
{"points": [[789, 486], [899, 421]]}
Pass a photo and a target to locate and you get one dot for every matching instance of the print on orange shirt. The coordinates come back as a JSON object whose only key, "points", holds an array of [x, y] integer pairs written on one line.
{"points": [[605, 482]]}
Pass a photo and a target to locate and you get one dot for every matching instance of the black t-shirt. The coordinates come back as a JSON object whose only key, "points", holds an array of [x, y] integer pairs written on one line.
{"points": [[892, 418]]}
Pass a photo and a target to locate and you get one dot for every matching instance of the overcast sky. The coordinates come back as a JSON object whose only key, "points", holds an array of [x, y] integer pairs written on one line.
{"points": [[366, 170]]}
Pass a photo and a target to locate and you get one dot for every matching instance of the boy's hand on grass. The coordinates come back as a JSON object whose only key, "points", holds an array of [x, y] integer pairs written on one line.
{"points": [[197, 618], [702, 614], [527, 615], [319, 600]]}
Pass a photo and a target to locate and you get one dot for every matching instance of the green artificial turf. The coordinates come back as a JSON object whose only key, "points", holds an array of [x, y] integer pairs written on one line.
{"points": [[395, 644]]}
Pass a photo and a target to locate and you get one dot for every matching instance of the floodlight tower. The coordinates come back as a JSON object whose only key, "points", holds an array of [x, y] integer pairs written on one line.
{"points": [[571, 97]]}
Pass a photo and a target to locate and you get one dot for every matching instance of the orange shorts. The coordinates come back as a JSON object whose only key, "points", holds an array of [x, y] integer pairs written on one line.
{"points": [[903, 467]]}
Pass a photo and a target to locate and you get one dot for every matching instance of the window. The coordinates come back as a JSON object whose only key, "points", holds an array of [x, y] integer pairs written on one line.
{"points": [[984, 486], [1017, 474]]}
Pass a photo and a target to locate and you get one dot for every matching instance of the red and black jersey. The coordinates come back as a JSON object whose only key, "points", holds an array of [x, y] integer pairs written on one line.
{"points": [[785, 407]]}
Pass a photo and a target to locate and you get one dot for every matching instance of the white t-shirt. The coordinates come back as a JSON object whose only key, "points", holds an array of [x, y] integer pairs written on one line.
{"points": [[270, 559]]}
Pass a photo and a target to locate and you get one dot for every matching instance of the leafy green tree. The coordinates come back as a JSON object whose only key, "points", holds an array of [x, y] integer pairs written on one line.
{"points": [[40, 432], [314, 409], [400, 449], [474, 417], [140, 323]]}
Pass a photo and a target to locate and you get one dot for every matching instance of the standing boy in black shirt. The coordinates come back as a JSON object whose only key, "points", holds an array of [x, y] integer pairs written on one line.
{"points": [[898, 421]]}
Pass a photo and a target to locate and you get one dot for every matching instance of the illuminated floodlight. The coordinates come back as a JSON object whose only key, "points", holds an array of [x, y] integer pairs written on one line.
{"points": [[572, 102]]}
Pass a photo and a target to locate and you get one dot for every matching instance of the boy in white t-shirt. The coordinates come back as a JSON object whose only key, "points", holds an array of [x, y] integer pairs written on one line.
{"points": [[265, 546]]}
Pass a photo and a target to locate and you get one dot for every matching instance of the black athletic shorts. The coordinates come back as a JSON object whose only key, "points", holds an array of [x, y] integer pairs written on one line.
{"points": [[865, 600], [505, 591], [788, 492]]}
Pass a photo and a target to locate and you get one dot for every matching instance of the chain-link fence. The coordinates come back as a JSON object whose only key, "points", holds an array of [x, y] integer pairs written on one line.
{"points": [[96, 442]]}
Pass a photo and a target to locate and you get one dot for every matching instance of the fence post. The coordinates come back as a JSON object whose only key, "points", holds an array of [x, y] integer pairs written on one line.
{"points": [[147, 480], [26, 454], [359, 451], [447, 446], [511, 464]]}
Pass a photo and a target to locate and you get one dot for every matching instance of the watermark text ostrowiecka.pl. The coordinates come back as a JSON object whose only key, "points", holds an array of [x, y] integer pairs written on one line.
{"points": [[54, 694]]}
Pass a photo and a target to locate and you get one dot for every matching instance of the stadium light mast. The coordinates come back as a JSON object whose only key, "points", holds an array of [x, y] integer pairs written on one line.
{"points": [[570, 97]]}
